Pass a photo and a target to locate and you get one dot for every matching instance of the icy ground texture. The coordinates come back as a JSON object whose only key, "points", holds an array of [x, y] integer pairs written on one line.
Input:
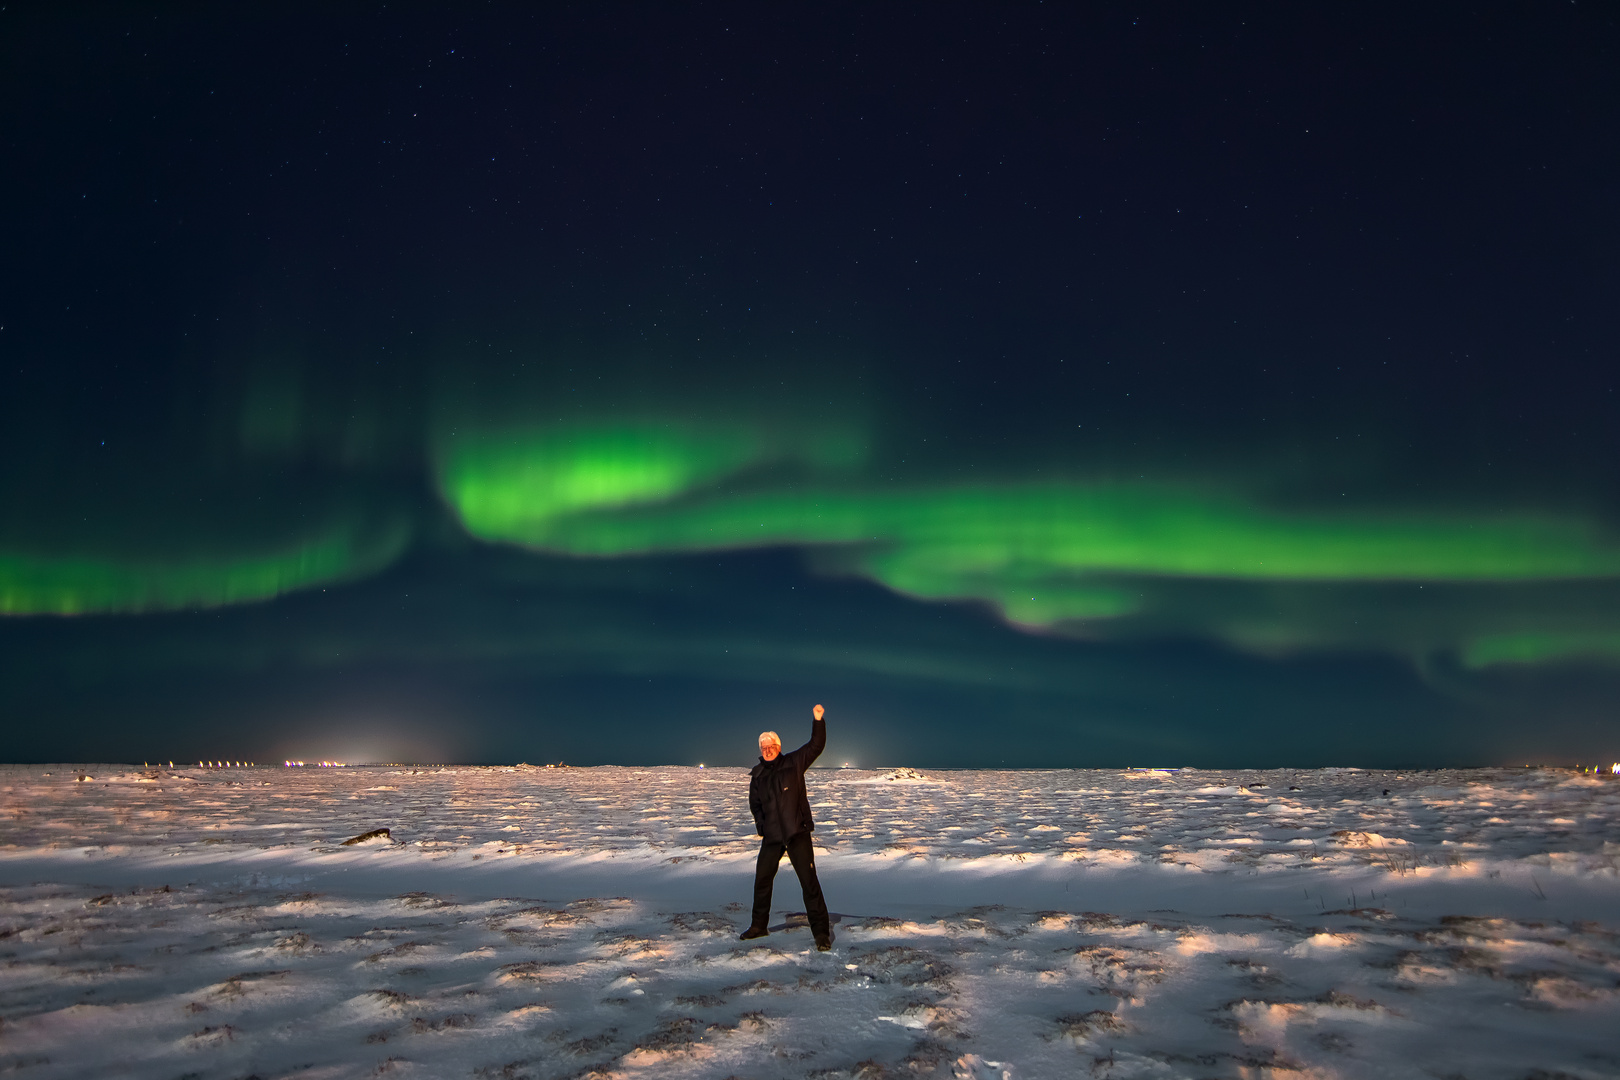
{"points": [[208, 982], [578, 923], [1206, 820]]}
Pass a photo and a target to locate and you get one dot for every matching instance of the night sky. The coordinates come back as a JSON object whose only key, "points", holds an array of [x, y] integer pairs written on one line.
{"points": [[1168, 385]]}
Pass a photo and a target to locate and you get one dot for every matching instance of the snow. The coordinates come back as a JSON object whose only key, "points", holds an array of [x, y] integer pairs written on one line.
{"points": [[557, 923]]}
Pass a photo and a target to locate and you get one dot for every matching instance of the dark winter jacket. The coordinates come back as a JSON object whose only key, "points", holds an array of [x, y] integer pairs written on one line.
{"points": [[776, 791]]}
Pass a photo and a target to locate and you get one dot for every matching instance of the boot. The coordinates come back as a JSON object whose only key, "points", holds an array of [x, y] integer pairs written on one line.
{"points": [[752, 932]]}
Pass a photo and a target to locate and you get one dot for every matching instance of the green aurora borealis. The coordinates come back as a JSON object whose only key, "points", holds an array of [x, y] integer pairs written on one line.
{"points": [[1099, 390], [35, 584], [1091, 559], [1453, 594], [1044, 554]]}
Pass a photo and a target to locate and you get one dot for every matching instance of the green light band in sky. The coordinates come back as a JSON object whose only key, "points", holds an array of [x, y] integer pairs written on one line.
{"points": [[516, 482], [1077, 529], [33, 584], [1536, 647]]}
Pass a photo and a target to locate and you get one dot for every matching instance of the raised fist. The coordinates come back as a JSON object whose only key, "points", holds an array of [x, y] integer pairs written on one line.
{"points": [[817, 712]]}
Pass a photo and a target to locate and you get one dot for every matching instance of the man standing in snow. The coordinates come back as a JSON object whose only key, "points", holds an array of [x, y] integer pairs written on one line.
{"points": [[781, 807]]}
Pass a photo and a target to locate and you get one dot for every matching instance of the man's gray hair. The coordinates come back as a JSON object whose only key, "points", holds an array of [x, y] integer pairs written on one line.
{"points": [[769, 737]]}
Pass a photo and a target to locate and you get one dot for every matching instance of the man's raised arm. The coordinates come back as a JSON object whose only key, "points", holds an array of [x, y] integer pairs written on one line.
{"points": [[818, 740]]}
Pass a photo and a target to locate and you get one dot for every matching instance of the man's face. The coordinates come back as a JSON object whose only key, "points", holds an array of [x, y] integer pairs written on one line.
{"points": [[769, 750]]}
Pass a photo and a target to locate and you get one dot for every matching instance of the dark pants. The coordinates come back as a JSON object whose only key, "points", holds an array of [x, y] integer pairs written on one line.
{"points": [[804, 864]]}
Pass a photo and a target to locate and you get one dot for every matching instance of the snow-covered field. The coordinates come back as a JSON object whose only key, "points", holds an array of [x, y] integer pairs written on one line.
{"points": [[582, 922]]}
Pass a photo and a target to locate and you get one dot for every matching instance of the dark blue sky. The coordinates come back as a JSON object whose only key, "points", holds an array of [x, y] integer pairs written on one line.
{"points": [[1215, 385]]}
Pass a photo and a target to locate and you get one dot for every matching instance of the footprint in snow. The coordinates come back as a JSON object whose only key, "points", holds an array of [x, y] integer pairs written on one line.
{"points": [[974, 1067]]}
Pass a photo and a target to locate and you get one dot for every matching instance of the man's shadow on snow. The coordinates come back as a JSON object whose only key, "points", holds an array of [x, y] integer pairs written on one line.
{"points": [[798, 920]]}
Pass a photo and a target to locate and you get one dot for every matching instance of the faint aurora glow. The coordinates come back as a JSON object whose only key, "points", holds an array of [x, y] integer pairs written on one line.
{"points": [[1534, 647], [34, 584]]}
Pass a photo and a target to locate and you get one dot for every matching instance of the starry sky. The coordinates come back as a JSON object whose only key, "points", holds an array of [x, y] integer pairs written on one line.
{"points": [[1219, 385]]}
